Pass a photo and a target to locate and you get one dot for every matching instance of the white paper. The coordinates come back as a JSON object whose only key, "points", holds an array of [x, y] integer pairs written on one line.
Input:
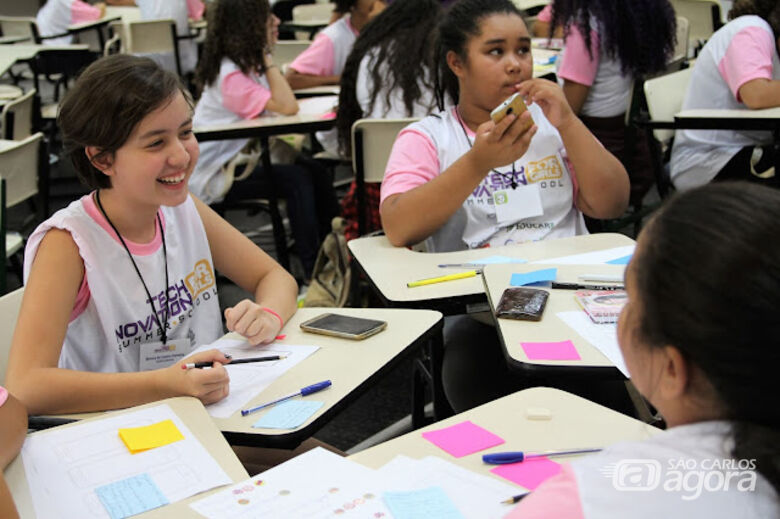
{"points": [[598, 257], [316, 484], [64, 466], [248, 380], [475, 495], [602, 336], [317, 105]]}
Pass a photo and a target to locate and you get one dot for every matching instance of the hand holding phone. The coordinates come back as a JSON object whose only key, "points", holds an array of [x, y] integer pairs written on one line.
{"points": [[344, 326], [513, 105]]}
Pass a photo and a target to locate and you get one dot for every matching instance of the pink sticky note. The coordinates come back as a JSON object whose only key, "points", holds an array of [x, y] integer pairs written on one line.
{"points": [[530, 473], [328, 115], [463, 439], [563, 350]]}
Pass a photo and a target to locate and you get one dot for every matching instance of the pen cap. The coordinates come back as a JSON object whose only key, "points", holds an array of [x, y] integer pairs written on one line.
{"points": [[315, 387], [502, 458]]}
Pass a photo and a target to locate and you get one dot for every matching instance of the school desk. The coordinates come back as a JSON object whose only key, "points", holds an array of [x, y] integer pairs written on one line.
{"points": [[310, 26], [93, 31], [10, 54], [550, 329], [126, 13], [574, 423], [193, 414], [263, 128], [352, 366], [323, 90], [389, 269]]}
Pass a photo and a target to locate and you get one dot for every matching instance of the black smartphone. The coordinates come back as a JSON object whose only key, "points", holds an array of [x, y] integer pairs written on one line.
{"points": [[343, 326]]}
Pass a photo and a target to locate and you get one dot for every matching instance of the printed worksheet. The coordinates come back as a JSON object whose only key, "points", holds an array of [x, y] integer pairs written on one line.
{"points": [[598, 257], [86, 471], [247, 380], [601, 336]]}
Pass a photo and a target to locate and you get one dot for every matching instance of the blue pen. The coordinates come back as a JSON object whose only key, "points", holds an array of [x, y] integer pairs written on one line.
{"points": [[319, 386], [502, 458]]}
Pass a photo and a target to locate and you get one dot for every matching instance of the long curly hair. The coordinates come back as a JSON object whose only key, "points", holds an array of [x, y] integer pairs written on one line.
{"points": [[639, 34], [401, 38], [769, 10], [238, 30]]}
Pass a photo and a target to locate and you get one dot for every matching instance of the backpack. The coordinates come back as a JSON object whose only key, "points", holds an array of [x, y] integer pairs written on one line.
{"points": [[331, 278]]}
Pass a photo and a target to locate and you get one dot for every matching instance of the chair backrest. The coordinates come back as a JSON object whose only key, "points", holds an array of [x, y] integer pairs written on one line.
{"points": [[371, 149], [22, 110], [312, 12], [2, 242], [20, 26], [683, 39], [149, 37], [19, 163], [9, 311], [703, 17], [285, 51], [665, 95]]}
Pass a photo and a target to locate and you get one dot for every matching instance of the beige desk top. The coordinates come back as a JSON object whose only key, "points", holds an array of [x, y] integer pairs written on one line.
{"points": [[390, 268], [94, 23], [576, 423], [126, 13], [319, 90], [550, 328], [192, 413], [766, 113], [10, 54]]}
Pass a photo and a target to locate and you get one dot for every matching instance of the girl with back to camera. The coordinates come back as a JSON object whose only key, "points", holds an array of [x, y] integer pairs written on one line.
{"points": [[704, 352], [121, 284], [443, 171]]}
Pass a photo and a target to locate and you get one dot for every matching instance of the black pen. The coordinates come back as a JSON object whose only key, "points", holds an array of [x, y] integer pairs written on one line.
{"points": [[514, 499], [202, 365], [581, 286]]}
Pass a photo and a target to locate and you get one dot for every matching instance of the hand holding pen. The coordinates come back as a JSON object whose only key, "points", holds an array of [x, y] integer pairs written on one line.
{"points": [[208, 385]]}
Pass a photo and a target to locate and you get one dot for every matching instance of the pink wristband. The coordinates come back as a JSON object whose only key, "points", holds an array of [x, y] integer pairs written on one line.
{"points": [[281, 321]]}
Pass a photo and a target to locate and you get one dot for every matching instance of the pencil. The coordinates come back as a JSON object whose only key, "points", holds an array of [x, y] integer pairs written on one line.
{"points": [[514, 499], [440, 279]]}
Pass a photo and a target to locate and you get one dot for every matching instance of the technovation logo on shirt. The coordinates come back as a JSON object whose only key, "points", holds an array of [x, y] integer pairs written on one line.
{"points": [[181, 297]]}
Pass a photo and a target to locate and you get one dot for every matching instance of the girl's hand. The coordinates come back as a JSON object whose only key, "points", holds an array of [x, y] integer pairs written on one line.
{"points": [[207, 385], [499, 144], [250, 320], [550, 98]]}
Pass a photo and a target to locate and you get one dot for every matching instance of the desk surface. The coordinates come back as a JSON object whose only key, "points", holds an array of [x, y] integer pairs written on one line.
{"points": [[10, 54], [126, 13], [194, 416], [575, 423], [390, 268], [94, 23], [766, 113], [550, 328]]}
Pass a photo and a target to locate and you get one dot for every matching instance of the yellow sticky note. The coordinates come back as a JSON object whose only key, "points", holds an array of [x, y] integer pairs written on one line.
{"points": [[139, 439]]}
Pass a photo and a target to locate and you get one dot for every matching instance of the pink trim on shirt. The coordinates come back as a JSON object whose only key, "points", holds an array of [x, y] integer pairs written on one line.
{"points": [[82, 298], [413, 162], [748, 57], [545, 15], [244, 96], [576, 64], [195, 9], [559, 496], [81, 12], [3, 395], [138, 249], [317, 59]]}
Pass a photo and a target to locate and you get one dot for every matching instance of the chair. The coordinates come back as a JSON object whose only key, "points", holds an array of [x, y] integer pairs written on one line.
{"points": [[703, 16], [23, 165], [320, 12], [146, 37], [9, 311], [16, 117], [372, 141], [681, 47], [21, 26], [665, 95], [286, 51]]}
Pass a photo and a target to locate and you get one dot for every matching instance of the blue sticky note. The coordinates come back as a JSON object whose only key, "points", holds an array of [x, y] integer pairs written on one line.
{"points": [[536, 276], [421, 504], [130, 496], [492, 260], [620, 261], [288, 415]]}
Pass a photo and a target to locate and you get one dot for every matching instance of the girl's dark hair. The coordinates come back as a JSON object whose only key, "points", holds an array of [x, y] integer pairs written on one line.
{"points": [[344, 6], [708, 283], [769, 10], [640, 34], [401, 38], [238, 30], [459, 25], [106, 103]]}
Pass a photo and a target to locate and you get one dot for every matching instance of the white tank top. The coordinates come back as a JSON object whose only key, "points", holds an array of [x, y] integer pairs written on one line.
{"points": [[474, 224], [106, 336], [207, 181]]}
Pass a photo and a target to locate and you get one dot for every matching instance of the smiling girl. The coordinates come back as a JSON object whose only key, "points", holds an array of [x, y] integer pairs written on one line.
{"points": [[120, 285]]}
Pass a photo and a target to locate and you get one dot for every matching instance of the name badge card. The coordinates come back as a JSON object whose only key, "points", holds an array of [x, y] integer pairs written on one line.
{"points": [[518, 204], [156, 355]]}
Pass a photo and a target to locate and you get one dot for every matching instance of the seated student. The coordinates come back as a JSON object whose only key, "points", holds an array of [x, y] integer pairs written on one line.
{"points": [[609, 45], [179, 11], [443, 171], [323, 62], [381, 81], [13, 427], [240, 82], [57, 15], [738, 68], [125, 275], [705, 354]]}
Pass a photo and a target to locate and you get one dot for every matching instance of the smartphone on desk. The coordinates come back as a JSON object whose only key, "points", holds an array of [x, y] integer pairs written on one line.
{"points": [[344, 326], [513, 105]]}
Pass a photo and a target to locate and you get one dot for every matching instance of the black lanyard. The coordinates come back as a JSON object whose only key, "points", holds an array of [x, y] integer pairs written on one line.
{"points": [[137, 271], [512, 176]]}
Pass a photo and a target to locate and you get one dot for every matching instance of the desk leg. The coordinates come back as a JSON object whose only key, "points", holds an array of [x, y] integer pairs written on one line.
{"points": [[428, 373], [776, 150], [273, 201]]}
